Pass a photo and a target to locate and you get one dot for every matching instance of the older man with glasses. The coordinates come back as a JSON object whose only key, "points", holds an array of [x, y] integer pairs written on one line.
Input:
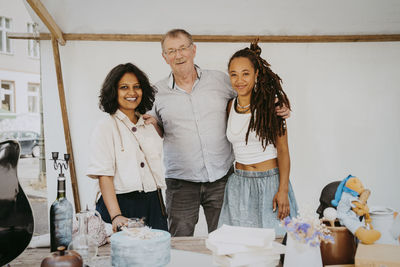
{"points": [[190, 113]]}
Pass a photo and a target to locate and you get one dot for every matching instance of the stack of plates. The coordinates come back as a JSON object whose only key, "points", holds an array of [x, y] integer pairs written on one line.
{"points": [[244, 246]]}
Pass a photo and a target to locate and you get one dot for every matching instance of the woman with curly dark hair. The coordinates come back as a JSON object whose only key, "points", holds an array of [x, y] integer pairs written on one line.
{"points": [[258, 193], [125, 153]]}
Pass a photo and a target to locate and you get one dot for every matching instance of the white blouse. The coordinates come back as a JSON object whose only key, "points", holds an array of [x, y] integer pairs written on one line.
{"points": [[249, 153], [114, 151]]}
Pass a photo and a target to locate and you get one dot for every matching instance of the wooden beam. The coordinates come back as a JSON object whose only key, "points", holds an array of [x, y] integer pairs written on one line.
{"points": [[67, 134], [296, 38], [23, 36], [218, 38], [47, 19]]}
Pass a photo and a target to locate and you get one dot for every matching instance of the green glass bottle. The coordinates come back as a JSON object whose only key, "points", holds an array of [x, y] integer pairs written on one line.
{"points": [[61, 213]]}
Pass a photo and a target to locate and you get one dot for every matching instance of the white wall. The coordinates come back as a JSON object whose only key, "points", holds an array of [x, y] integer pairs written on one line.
{"points": [[345, 107]]}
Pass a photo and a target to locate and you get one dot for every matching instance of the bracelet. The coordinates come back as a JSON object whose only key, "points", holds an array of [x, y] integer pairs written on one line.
{"points": [[116, 217]]}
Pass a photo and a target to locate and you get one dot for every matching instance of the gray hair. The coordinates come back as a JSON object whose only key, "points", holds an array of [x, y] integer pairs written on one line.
{"points": [[174, 33]]}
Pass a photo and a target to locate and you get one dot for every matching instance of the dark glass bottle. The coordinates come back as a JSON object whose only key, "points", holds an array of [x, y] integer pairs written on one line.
{"points": [[61, 213]]}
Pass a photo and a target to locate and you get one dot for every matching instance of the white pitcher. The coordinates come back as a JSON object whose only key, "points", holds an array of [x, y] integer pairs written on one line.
{"points": [[383, 220]]}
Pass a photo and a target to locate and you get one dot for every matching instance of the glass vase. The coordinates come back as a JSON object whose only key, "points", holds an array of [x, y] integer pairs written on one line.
{"points": [[83, 243]]}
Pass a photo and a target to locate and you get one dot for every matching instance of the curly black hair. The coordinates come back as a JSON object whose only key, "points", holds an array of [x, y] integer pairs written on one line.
{"points": [[109, 91], [264, 121]]}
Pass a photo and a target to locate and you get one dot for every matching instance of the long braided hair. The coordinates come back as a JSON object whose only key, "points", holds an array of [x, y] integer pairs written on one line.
{"points": [[264, 121]]}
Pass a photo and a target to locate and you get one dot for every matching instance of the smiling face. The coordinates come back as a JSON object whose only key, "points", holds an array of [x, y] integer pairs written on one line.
{"points": [[179, 53], [242, 75], [129, 93]]}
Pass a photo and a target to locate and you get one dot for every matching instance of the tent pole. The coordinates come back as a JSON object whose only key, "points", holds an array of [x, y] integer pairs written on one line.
{"points": [[67, 135], [47, 19]]}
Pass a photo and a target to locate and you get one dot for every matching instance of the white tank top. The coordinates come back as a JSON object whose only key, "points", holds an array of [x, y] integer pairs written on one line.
{"points": [[236, 131]]}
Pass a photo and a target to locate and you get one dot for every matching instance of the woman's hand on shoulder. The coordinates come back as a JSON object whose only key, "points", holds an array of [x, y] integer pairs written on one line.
{"points": [[281, 201]]}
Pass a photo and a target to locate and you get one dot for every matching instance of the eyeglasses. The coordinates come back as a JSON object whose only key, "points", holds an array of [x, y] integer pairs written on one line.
{"points": [[172, 52]]}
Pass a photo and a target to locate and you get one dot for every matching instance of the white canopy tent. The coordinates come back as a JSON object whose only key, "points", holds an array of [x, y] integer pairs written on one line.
{"points": [[344, 93]]}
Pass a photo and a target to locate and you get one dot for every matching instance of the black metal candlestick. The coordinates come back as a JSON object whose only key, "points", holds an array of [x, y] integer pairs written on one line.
{"points": [[60, 163]]}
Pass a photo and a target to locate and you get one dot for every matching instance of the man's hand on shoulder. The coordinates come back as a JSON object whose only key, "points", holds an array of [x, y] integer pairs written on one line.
{"points": [[148, 119], [283, 111]]}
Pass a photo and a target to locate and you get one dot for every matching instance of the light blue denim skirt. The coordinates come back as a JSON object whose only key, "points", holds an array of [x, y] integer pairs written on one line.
{"points": [[248, 200]]}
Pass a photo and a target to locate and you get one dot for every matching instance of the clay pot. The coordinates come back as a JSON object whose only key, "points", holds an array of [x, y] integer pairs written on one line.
{"points": [[344, 248], [63, 258]]}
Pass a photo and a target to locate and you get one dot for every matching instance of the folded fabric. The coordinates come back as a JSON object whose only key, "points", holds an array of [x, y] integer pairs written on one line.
{"points": [[224, 248], [40, 241], [257, 237], [229, 261], [248, 255]]}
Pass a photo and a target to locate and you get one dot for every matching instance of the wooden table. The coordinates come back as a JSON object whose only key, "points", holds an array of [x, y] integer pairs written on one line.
{"points": [[33, 257]]}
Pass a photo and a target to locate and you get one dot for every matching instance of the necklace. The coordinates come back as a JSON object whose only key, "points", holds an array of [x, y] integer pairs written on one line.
{"points": [[243, 110], [242, 107]]}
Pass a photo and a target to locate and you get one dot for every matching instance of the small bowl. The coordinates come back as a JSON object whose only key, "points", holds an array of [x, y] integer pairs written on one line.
{"points": [[135, 223]]}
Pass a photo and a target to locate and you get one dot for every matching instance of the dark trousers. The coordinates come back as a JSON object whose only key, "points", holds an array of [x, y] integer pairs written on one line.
{"points": [[137, 205], [183, 201]]}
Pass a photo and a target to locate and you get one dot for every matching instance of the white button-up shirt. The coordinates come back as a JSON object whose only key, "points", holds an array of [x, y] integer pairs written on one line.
{"points": [[195, 145], [115, 151]]}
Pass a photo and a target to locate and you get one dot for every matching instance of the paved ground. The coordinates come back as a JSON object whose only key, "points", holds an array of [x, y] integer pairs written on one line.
{"points": [[36, 190]]}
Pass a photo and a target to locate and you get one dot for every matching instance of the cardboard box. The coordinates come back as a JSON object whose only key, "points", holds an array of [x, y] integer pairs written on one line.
{"points": [[377, 255]]}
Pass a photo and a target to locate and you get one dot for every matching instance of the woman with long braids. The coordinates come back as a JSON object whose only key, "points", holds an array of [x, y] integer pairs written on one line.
{"points": [[258, 193]]}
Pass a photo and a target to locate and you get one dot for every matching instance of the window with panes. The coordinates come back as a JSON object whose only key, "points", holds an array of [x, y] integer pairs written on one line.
{"points": [[7, 96], [33, 98], [5, 43], [33, 45]]}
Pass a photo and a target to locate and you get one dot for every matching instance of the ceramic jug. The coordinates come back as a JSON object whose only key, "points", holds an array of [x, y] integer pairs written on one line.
{"points": [[63, 258], [384, 220]]}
